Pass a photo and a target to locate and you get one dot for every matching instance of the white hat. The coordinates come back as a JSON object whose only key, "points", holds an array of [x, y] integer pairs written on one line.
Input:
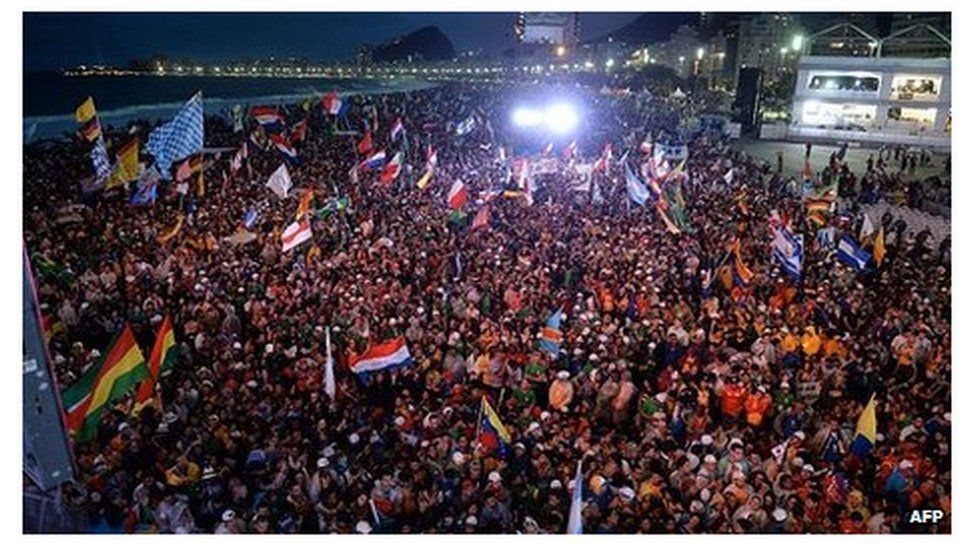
{"points": [[800, 435], [627, 493], [457, 458], [545, 415], [779, 514], [905, 464], [123, 426], [399, 421], [471, 520], [707, 439], [534, 425], [228, 515], [354, 438], [710, 458], [555, 484], [563, 374], [494, 476], [322, 463], [363, 527], [808, 468]]}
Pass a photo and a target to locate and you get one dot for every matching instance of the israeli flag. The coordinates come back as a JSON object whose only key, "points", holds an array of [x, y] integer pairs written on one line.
{"points": [[850, 254]]}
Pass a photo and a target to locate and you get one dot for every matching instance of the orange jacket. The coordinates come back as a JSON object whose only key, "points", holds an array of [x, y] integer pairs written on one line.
{"points": [[757, 405], [732, 399]]}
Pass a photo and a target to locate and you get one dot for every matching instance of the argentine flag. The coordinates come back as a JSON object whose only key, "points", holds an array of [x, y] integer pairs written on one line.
{"points": [[850, 253], [636, 189], [788, 252]]}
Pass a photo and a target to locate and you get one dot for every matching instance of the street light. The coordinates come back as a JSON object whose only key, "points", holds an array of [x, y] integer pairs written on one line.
{"points": [[560, 50], [797, 42]]}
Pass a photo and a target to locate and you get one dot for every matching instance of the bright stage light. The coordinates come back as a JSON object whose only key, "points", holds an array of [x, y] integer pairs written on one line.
{"points": [[561, 118], [526, 118]]}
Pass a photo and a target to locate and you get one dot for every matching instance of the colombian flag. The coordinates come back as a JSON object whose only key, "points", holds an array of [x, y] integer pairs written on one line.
{"points": [[492, 433], [161, 361], [118, 371], [867, 430]]}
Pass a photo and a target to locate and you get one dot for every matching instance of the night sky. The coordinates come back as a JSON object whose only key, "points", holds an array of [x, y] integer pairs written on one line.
{"points": [[59, 40]]}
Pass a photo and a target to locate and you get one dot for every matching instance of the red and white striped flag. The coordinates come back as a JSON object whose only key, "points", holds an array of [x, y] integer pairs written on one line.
{"points": [[296, 233], [457, 196]]}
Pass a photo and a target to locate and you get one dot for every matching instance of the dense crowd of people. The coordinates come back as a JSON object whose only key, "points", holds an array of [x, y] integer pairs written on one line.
{"points": [[695, 405]]}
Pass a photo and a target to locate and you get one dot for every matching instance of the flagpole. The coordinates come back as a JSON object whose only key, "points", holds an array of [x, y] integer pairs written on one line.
{"points": [[481, 414]]}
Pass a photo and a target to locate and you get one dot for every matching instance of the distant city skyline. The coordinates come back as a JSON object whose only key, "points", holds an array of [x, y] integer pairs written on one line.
{"points": [[60, 40]]}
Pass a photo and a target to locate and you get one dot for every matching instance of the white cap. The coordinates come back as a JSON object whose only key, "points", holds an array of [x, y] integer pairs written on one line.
{"points": [[545, 415], [322, 463], [710, 458], [779, 514], [494, 476], [905, 464], [800, 435], [707, 439], [563, 374], [354, 438], [809, 468], [555, 484], [534, 425], [471, 521], [228, 515], [363, 527], [627, 493]]}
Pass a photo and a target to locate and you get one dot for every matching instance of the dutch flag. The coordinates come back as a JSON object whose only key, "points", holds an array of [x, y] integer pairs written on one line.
{"points": [[382, 356]]}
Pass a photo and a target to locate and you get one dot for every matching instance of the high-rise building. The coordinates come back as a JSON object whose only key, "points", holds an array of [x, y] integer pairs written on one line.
{"points": [[547, 28], [765, 42]]}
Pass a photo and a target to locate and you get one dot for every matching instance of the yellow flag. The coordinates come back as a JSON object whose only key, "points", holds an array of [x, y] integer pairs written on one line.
{"points": [[879, 247], [425, 180], [162, 239], [126, 167], [85, 111]]}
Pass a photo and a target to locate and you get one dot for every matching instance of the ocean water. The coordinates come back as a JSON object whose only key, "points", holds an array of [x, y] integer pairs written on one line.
{"points": [[50, 98]]}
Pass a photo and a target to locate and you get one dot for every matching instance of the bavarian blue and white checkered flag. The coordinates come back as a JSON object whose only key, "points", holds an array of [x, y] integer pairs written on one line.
{"points": [[99, 156], [178, 138]]}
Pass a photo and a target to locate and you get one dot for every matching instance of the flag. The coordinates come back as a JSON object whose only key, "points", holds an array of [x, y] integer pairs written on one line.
{"points": [[457, 195], [741, 274], [178, 138], [547, 150], [250, 217], [728, 176], [190, 166], [146, 190], [91, 130], [238, 160], [552, 337], [86, 111], [299, 131], [329, 379], [331, 103], [636, 189], [161, 362], [425, 179], [431, 157], [280, 181], [603, 163], [296, 233], [879, 247], [119, 369], [381, 356], [365, 144], [284, 147], [482, 219], [575, 524], [466, 126], [304, 205], [100, 161], [570, 150], [392, 169], [126, 168], [668, 222], [268, 118], [867, 430], [867, 228], [237, 113], [163, 238], [850, 253], [396, 130], [374, 161], [788, 251], [492, 434]]}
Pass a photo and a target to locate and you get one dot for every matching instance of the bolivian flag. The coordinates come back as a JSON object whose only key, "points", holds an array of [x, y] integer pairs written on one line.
{"points": [[867, 430], [119, 370], [161, 361]]}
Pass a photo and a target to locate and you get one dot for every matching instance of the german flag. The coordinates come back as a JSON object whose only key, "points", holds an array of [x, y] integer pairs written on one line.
{"points": [[85, 111], [126, 167], [119, 370], [91, 130], [741, 274], [161, 361]]}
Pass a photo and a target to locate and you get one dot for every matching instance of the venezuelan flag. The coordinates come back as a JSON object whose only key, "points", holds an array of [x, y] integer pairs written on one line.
{"points": [[492, 433], [119, 370], [867, 430]]}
